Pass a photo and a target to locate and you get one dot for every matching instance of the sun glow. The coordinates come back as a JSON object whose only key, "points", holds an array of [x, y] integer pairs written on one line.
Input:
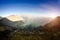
{"points": [[53, 16]]}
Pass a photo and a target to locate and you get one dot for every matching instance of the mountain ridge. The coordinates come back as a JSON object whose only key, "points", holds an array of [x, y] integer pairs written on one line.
{"points": [[54, 24]]}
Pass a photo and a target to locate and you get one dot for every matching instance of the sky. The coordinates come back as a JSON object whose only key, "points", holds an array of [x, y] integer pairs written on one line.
{"points": [[30, 7]]}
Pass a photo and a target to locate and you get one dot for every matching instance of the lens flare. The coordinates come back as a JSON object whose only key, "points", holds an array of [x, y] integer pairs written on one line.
{"points": [[53, 16]]}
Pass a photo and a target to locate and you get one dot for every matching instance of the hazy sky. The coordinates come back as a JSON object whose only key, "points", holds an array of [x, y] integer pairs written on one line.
{"points": [[30, 7]]}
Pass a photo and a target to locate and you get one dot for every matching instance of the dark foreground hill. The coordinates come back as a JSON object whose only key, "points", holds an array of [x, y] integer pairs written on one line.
{"points": [[53, 29], [4, 32], [54, 24]]}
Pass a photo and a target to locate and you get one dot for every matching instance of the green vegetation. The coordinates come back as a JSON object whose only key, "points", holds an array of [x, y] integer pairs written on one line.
{"points": [[39, 33], [22, 36]]}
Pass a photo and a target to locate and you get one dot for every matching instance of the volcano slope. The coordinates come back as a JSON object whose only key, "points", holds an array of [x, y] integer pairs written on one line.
{"points": [[53, 29]]}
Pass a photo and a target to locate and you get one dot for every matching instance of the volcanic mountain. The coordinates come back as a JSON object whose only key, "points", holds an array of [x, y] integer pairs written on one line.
{"points": [[54, 24], [13, 21], [15, 18]]}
